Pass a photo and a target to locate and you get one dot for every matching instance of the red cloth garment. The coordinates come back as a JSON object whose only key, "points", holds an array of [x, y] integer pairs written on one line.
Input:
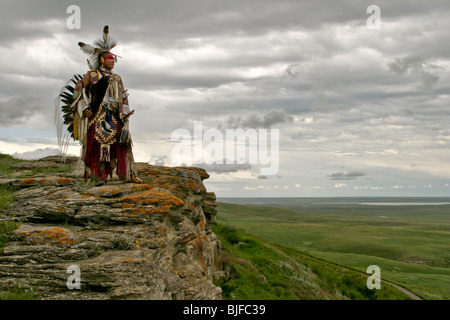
{"points": [[103, 169]]}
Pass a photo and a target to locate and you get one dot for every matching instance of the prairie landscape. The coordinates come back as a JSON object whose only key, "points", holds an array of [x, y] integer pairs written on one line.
{"points": [[407, 238]]}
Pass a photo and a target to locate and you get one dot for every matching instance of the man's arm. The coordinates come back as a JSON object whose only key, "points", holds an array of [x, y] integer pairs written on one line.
{"points": [[124, 93]]}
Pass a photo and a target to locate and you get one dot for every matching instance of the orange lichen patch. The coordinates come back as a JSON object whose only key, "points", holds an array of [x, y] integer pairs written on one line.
{"points": [[56, 236], [89, 197], [144, 211], [109, 191], [29, 181], [200, 225], [64, 181], [165, 207], [135, 212], [160, 211], [140, 186], [129, 260]]}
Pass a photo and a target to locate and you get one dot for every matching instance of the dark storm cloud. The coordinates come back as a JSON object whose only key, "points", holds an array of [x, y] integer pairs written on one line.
{"points": [[8, 139], [150, 80], [255, 121], [159, 19], [352, 175], [164, 21], [19, 109], [23, 19], [419, 67]]}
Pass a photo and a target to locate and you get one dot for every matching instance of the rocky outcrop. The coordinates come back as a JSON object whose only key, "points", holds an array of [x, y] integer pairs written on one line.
{"points": [[150, 240]]}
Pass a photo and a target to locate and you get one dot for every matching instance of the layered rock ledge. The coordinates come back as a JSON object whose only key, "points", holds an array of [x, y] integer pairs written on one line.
{"points": [[151, 240]]}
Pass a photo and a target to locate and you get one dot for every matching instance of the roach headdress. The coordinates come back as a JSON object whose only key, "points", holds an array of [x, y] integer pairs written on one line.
{"points": [[101, 46]]}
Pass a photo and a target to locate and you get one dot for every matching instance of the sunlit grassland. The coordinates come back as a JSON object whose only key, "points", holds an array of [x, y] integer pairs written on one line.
{"points": [[409, 243], [267, 271]]}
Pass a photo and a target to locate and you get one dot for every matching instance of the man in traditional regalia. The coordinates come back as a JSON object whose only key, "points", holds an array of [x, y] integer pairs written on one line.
{"points": [[96, 110]]}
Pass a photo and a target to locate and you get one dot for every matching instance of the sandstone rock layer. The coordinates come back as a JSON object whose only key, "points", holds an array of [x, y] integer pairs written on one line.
{"points": [[150, 240]]}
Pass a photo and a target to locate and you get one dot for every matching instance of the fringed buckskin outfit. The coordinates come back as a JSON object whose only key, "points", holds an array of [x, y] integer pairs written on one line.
{"points": [[103, 129]]}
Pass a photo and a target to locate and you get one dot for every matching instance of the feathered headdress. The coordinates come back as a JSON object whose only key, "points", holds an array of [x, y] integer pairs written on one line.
{"points": [[105, 44]]}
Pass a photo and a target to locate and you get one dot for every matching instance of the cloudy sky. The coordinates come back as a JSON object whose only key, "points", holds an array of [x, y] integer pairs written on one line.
{"points": [[352, 110]]}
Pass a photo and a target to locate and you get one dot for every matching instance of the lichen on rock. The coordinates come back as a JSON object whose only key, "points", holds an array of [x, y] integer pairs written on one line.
{"points": [[130, 241]]}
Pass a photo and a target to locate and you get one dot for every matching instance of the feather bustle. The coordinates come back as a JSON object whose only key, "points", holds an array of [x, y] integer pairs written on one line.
{"points": [[86, 48]]}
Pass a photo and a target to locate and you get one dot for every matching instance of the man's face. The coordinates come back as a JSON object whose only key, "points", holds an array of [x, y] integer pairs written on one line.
{"points": [[109, 63]]}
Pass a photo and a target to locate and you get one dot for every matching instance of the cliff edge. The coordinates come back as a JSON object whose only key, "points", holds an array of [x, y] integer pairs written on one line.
{"points": [[122, 240]]}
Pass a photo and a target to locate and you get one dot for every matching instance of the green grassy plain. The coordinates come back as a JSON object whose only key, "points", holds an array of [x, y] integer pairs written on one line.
{"points": [[267, 271], [410, 244]]}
